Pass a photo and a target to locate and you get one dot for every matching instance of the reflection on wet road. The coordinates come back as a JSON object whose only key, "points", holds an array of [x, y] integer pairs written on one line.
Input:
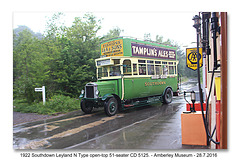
{"points": [[150, 127], [150, 132]]}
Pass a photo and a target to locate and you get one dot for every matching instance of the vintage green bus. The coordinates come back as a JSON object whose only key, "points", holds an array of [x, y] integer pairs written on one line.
{"points": [[131, 73]]}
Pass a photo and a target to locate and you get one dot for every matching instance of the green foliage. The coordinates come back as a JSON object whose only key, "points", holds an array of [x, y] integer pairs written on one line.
{"points": [[113, 33], [63, 60], [56, 104], [147, 37], [26, 64]]}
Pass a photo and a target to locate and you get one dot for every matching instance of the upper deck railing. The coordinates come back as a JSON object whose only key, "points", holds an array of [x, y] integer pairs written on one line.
{"points": [[125, 46], [130, 37]]}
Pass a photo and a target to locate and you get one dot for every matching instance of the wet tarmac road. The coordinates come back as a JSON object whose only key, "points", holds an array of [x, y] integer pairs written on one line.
{"points": [[150, 127]]}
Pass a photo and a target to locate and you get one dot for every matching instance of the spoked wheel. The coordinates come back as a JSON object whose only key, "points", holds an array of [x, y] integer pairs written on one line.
{"points": [[168, 95], [111, 106], [86, 107]]}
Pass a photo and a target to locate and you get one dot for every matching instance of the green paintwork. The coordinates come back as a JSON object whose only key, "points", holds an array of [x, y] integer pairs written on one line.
{"points": [[136, 88], [109, 87]]}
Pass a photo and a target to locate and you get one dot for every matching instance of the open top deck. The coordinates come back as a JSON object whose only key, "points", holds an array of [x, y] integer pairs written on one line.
{"points": [[137, 48]]}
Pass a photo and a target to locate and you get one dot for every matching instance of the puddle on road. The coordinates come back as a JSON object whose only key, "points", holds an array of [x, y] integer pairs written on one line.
{"points": [[20, 128], [36, 144], [81, 128], [48, 128], [139, 132]]}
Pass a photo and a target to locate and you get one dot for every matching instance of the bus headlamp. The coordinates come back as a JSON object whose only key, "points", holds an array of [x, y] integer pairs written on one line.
{"points": [[82, 92], [97, 92]]}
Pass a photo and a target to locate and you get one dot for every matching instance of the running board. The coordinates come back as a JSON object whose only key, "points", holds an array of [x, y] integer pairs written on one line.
{"points": [[149, 101]]}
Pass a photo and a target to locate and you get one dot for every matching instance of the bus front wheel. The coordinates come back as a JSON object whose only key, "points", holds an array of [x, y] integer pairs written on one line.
{"points": [[86, 107], [111, 106]]}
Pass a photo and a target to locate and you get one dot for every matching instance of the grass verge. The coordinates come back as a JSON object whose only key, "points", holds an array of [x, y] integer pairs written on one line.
{"points": [[57, 104]]}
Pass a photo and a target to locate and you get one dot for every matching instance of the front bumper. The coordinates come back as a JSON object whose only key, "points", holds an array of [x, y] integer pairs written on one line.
{"points": [[95, 102]]}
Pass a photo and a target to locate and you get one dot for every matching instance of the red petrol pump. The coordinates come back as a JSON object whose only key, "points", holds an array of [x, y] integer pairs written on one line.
{"points": [[193, 132]]}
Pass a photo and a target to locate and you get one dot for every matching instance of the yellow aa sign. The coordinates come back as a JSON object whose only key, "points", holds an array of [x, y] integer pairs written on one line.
{"points": [[191, 58]]}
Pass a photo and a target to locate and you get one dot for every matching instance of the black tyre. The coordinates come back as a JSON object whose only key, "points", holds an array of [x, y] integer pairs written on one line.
{"points": [[86, 106], [111, 107], [168, 95]]}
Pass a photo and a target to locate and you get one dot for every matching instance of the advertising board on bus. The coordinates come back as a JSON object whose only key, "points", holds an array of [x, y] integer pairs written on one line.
{"points": [[112, 48], [152, 51]]}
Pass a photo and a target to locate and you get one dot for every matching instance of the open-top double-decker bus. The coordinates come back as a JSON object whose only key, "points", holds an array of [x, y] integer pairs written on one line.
{"points": [[131, 73]]}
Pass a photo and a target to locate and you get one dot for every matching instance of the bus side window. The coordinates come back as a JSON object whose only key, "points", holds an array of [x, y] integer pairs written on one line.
{"points": [[171, 69], [102, 72], [105, 72], [99, 72], [135, 69], [115, 71], [165, 70], [161, 69], [127, 68], [142, 69], [157, 69], [150, 69]]}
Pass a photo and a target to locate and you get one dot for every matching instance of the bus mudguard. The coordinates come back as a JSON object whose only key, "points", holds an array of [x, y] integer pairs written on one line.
{"points": [[106, 96]]}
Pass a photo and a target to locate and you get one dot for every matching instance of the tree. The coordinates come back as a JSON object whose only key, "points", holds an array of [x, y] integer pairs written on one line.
{"points": [[55, 26], [23, 27], [74, 65], [113, 33], [63, 60], [159, 39], [147, 37], [29, 68]]}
